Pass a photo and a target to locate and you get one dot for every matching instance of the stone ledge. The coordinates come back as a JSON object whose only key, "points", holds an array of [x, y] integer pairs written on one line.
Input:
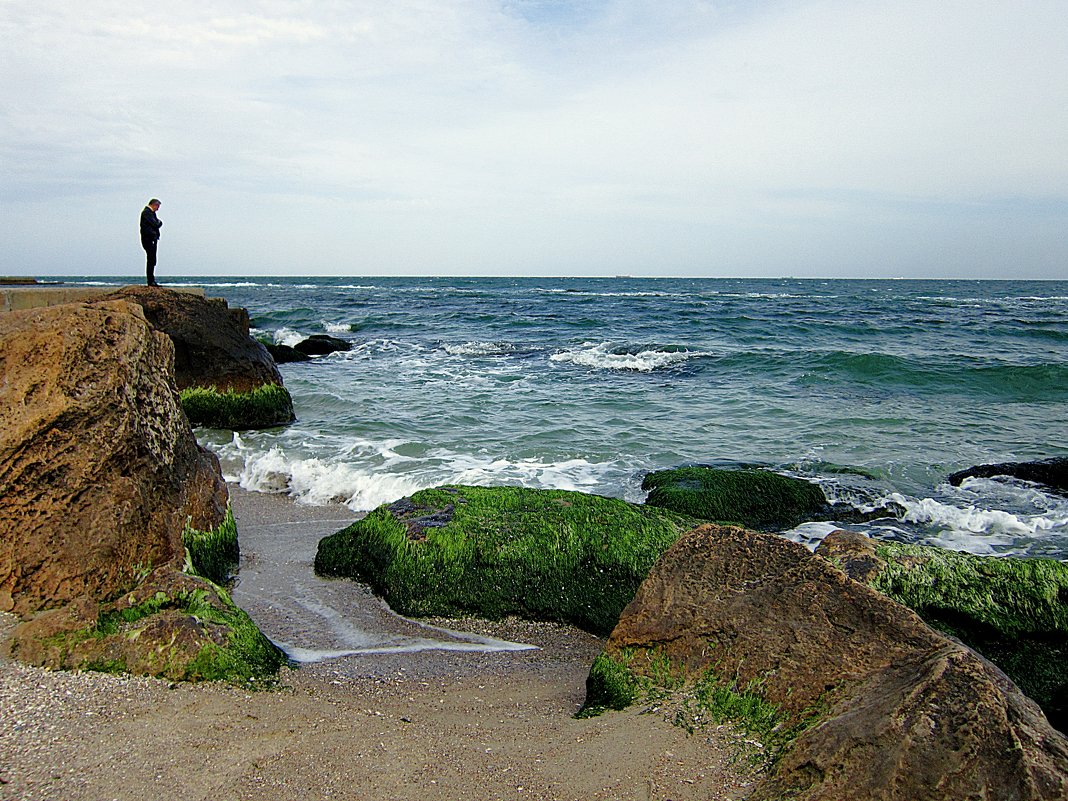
{"points": [[31, 296]]}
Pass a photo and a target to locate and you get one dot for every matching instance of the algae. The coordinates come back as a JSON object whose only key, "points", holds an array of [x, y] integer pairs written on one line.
{"points": [[263, 407], [214, 553], [754, 498], [1012, 611], [550, 555]]}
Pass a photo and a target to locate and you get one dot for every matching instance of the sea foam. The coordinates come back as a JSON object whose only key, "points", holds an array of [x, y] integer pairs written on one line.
{"points": [[604, 356]]}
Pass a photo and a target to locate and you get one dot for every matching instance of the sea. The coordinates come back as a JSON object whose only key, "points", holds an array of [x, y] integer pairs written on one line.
{"points": [[874, 389]]}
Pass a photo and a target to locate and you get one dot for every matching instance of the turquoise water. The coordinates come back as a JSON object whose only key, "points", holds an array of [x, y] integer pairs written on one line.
{"points": [[876, 389]]}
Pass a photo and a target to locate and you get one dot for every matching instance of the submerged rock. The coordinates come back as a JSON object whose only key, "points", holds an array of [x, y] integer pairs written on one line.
{"points": [[214, 352], [284, 354], [1052, 473], [101, 477], [496, 551], [755, 498], [321, 345], [1012, 611], [874, 704]]}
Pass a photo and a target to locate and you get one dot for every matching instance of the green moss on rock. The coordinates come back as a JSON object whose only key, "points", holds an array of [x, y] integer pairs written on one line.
{"points": [[496, 551], [758, 499], [263, 407], [610, 685], [1013, 611], [214, 553], [183, 629]]}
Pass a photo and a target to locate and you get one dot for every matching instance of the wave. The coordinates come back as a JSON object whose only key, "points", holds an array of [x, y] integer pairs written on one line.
{"points": [[605, 356], [315, 481]]}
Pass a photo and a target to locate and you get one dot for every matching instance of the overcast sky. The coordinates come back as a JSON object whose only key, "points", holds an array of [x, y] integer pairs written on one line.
{"points": [[915, 138]]}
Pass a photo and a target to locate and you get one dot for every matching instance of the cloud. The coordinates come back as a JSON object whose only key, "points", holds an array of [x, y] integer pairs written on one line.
{"points": [[540, 135]]}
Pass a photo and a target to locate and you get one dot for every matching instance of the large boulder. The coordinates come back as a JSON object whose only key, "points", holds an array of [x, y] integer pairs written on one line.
{"points": [[752, 497], [879, 705], [1052, 473], [214, 353], [99, 469], [496, 551], [1012, 611], [104, 485]]}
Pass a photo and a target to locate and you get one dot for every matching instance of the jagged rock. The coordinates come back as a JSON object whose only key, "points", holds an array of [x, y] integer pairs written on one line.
{"points": [[100, 476], [214, 353], [322, 344], [755, 498], [887, 707], [1012, 611], [1052, 473]]}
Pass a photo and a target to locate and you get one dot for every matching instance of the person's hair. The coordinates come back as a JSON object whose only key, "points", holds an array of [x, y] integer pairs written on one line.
{"points": [[153, 202]]}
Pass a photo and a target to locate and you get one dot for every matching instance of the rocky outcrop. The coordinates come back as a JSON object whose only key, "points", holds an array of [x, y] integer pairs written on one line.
{"points": [[101, 476], [1052, 473], [755, 498], [213, 351], [1012, 611], [881, 705], [495, 551]]}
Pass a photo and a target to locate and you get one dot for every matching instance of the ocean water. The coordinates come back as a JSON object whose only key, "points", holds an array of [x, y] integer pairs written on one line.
{"points": [[874, 389]]}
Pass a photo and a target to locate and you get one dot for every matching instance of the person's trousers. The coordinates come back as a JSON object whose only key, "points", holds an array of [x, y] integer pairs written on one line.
{"points": [[150, 265]]}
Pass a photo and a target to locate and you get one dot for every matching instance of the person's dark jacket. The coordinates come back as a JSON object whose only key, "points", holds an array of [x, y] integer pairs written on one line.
{"points": [[150, 225]]}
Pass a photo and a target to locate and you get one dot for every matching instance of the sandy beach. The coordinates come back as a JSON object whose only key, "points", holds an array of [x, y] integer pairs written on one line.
{"points": [[401, 724]]}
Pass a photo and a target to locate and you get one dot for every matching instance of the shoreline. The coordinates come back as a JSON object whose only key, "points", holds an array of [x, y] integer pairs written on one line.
{"points": [[413, 725]]}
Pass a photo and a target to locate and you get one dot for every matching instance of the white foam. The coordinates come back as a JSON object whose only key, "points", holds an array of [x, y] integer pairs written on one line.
{"points": [[601, 357], [316, 481], [288, 336], [568, 474], [975, 520], [337, 328], [479, 349]]}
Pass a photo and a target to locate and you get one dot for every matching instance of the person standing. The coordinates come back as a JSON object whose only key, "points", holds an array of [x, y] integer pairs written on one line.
{"points": [[150, 225]]}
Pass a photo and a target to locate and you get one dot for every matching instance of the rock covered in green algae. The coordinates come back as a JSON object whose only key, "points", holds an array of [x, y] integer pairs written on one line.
{"points": [[752, 497], [1012, 611], [174, 626], [495, 551], [757, 499]]}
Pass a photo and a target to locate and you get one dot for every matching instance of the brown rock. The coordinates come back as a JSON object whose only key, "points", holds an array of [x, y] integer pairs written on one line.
{"points": [[99, 470], [853, 553], [905, 712], [212, 346]]}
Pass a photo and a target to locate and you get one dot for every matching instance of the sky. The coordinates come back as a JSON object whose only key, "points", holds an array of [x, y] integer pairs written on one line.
{"points": [[756, 138]]}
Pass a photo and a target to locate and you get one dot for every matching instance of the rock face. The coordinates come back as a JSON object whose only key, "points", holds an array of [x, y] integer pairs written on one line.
{"points": [[99, 470], [100, 476], [1053, 473], [894, 709], [239, 383], [1013, 611], [212, 346]]}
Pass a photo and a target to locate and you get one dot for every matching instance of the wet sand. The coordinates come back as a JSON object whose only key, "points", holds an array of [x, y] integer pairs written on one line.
{"points": [[402, 724]]}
